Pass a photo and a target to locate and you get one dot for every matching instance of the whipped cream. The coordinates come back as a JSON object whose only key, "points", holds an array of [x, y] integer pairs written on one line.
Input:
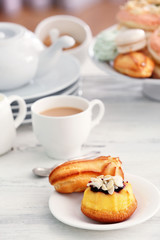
{"points": [[106, 183]]}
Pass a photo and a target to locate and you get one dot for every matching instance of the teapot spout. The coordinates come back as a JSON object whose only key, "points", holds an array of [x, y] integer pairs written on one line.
{"points": [[49, 56]]}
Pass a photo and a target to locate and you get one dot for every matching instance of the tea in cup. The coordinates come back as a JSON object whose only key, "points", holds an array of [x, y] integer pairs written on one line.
{"points": [[63, 123], [7, 124]]}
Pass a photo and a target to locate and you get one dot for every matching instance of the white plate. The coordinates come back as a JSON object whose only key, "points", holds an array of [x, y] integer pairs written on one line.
{"points": [[64, 73], [66, 207], [106, 66]]}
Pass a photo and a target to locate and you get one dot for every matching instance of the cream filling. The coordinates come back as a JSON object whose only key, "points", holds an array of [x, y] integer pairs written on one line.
{"points": [[132, 46]]}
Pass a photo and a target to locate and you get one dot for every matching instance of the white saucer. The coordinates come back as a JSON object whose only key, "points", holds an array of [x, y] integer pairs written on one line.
{"points": [[66, 91], [64, 73], [66, 207]]}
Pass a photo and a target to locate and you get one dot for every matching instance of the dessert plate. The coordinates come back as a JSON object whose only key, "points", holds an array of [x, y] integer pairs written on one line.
{"points": [[67, 207], [64, 73], [106, 66]]}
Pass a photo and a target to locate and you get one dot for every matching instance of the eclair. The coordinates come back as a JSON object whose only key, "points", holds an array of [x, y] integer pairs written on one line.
{"points": [[73, 176]]}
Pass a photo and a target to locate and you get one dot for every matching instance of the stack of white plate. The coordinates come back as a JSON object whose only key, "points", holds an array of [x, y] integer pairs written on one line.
{"points": [[64, 78]]}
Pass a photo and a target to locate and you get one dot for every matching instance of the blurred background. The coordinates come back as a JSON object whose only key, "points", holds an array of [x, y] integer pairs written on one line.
{"points": [[98, 14]]}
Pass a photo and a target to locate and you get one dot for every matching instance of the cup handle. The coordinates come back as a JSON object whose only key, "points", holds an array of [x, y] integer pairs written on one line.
{"points": [[22, 109], [100, 113]]}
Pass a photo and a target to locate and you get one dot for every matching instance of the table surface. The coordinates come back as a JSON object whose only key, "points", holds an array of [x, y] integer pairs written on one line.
{"points": [[130, 129]]}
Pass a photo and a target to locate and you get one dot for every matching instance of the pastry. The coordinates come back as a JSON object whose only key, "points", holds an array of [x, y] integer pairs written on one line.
{"points": [[156, 2], [156, 72], [105, 47], [108, 199], [130, 40], [154, 45], [73, 176], [134, 64], [140, 14]]}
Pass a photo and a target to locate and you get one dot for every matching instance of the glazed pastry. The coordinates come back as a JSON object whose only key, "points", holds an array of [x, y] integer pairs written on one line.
{"points": [[140, 14], [130, 40], [134, 64], [154, 45], [73, 176], [108, 199], [105, 48]]}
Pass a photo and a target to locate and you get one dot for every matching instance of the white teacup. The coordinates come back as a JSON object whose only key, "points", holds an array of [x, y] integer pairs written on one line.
{"points": [[7, 124], [62, 136]]}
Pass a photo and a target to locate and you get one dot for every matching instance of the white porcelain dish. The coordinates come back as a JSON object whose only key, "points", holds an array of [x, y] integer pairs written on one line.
{"points": [[150, 87], [66, 207], [64, 73], [107, 66]]}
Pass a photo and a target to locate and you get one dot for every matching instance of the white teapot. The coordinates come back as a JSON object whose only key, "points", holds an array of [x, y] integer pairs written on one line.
{"points": [[23, 55]]}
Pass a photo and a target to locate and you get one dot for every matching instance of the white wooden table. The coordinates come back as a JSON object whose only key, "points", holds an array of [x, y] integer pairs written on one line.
{"points": [[130, 129]]}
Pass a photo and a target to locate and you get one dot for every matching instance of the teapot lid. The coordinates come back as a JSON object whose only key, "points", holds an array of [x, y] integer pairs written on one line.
{"points": [[10, 30]]}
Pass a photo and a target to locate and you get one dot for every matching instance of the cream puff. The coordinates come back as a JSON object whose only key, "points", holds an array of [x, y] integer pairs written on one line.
{"points": [[130, 40], [108, 199]]}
